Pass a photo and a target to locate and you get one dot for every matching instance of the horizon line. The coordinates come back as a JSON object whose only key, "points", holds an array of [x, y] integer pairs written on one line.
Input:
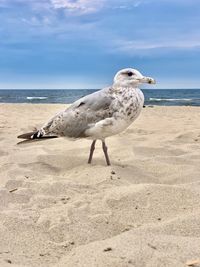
{"points": [[189, 88]]}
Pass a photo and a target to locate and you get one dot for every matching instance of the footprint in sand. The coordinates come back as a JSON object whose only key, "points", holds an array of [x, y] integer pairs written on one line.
{"points": [[3, 153], [189, 137]]}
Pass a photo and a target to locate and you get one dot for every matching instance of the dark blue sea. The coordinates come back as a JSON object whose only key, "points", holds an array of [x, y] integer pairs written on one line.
{"points": [[162, 97]]}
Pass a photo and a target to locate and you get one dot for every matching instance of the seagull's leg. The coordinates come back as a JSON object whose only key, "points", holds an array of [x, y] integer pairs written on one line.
{"points": [[105, 150], [92, 148]]}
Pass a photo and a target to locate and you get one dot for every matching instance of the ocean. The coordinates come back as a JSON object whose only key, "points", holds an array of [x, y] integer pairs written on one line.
{"points": [[161, 97]]}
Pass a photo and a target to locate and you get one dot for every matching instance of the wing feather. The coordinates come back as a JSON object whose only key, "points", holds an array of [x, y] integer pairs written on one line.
{"points": [[81, 115]]}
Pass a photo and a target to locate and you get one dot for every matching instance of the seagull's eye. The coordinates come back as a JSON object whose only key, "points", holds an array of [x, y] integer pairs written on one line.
{"points": [[130, 74]]}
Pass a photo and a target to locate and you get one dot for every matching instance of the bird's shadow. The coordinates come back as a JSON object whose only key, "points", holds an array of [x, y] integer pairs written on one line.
{"points": [[57, 162], [62, 163]]}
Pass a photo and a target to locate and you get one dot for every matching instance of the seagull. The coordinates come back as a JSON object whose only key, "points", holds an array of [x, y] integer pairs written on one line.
{"points": [[99, 115]]}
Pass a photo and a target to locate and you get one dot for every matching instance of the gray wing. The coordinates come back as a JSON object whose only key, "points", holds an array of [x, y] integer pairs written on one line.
{"points": [[81, 115]]}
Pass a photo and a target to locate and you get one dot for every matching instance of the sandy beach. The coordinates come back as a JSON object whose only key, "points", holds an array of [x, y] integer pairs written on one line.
{"points": [[56, 210]]}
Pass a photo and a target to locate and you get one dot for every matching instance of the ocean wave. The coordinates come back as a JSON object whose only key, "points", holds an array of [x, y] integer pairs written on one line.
{"points": [[36, 97], [171, 99]]}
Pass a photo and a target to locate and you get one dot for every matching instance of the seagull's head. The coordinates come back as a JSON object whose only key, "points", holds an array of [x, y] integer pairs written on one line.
{"points": [[131, 77]]}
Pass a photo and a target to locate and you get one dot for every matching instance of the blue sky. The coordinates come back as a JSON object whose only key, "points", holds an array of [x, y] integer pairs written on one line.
{"points": [[83, 43]]}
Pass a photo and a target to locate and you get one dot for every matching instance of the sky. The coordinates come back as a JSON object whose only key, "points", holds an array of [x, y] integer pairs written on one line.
{"points": [[83, 43]]}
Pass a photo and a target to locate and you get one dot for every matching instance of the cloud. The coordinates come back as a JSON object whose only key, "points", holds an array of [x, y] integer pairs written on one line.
{"points": [[127, 6], [91, 6], [152, 48], [79, 6], [33, 4], [36, 21], [128, 46]]}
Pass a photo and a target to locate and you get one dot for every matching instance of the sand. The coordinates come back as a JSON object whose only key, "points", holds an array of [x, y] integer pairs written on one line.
{"points": [[56, 210]]}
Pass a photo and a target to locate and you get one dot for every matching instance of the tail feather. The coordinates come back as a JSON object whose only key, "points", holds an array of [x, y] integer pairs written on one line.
{"points": [[26, 135], [35, 136], [26, 141]]}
